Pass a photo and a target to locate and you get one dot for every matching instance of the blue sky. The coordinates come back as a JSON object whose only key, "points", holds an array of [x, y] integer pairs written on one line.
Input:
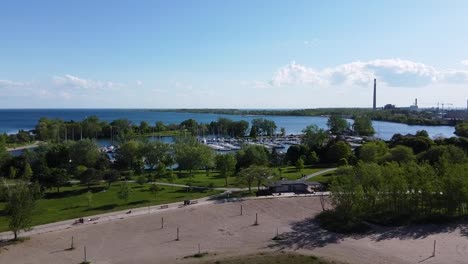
{"points": [[232, 54]]}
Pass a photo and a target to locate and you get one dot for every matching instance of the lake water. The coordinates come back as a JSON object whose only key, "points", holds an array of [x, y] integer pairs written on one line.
{"points": [[11, 120]]}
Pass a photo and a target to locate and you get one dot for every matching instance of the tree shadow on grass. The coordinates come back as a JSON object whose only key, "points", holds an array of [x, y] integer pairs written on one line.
{"points": [[70, 193], [306, 234], [138, 202], [103, 207], [72, 207]]}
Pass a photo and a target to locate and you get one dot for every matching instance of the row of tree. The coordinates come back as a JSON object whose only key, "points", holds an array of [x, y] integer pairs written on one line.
{"points": [[57, 130]]}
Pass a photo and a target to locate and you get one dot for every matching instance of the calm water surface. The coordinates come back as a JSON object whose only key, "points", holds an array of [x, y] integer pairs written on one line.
{"points": [[11, 120]]}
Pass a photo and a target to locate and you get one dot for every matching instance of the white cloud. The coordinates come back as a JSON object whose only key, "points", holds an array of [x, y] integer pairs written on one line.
{"points": [[393, 72], [76, 82], [139, 83], [464, 62], [11, 84]]}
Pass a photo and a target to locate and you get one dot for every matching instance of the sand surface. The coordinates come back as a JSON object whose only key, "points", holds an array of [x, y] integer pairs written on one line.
{"points": [[221, 230]]}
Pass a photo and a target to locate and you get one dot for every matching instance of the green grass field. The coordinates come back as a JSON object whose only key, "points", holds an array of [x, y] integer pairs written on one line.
{"points": [[271, 258], [214, 179], [291, 173], [324, 178], [72, 202]]}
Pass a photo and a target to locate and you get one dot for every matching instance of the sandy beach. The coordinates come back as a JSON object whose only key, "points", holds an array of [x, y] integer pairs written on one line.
{"points": [[221, 230]]}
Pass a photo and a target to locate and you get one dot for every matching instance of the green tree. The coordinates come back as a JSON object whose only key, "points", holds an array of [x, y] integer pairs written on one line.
{"points": [[84, 152], [141, 180], [89, 177], [254, 173], [129, 154], [155, 153], [111, 176], [314, 137], [373, 151], [89, 197], [339, 150], [20, 203], [400, 154], [57, 178], [336, 124], [13, 172], [363, 126], [252, 155], [27, 172], [461, 129], [299, 164], [226, 164], [191, 155], [124, 192]]}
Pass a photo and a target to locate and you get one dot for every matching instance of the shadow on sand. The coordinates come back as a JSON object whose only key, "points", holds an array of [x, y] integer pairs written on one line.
{"points": [[307, 234]]}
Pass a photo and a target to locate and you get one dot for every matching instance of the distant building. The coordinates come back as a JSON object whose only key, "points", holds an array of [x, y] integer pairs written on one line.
{"points": [[389, 107], [291, 187], [374, 105], [415, 106]]}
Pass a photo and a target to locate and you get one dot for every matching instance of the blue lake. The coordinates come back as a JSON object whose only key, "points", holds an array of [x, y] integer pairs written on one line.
{"points": [[11, 120]]}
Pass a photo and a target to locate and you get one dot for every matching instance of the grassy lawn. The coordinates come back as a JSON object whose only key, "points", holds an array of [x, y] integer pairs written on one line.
{"points": [[324, 178], [272, 258], [201, 178], [72, 202], [291, 173]]}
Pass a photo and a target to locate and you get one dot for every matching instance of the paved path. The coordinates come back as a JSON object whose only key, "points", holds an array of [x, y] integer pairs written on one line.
{"points": [[318, 173], [113, 216], [33, 145]]}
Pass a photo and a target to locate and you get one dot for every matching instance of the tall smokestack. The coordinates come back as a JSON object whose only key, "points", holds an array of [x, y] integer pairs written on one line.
{"points": [[375, 94]]}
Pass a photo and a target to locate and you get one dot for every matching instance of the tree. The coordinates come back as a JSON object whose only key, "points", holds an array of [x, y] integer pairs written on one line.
{"points": [[299, 164], [89, 177], [254, 173], [13, 172], [20, 203], [144, 127], [226, 164], [191, 155], [338, 150], [363, 126], [336, 124], [57, 178], [141, 180], [129, 154], [124, 192], [400, 154], [252, 155], [315, 137], [283, 132], [312, 158], [84, 152], [461, 129], [154, 189], [295, 152], [156, 153], [373, 151], [263, 126], [89, 197], [27, 172], [111, 176]]}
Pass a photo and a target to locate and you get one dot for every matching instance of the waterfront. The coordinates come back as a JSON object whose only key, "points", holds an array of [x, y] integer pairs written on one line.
{"points": [[11, 120]]}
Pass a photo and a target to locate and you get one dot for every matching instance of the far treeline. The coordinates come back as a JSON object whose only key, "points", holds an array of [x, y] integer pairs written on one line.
{"points": [[121, 130], [404, 116]]}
